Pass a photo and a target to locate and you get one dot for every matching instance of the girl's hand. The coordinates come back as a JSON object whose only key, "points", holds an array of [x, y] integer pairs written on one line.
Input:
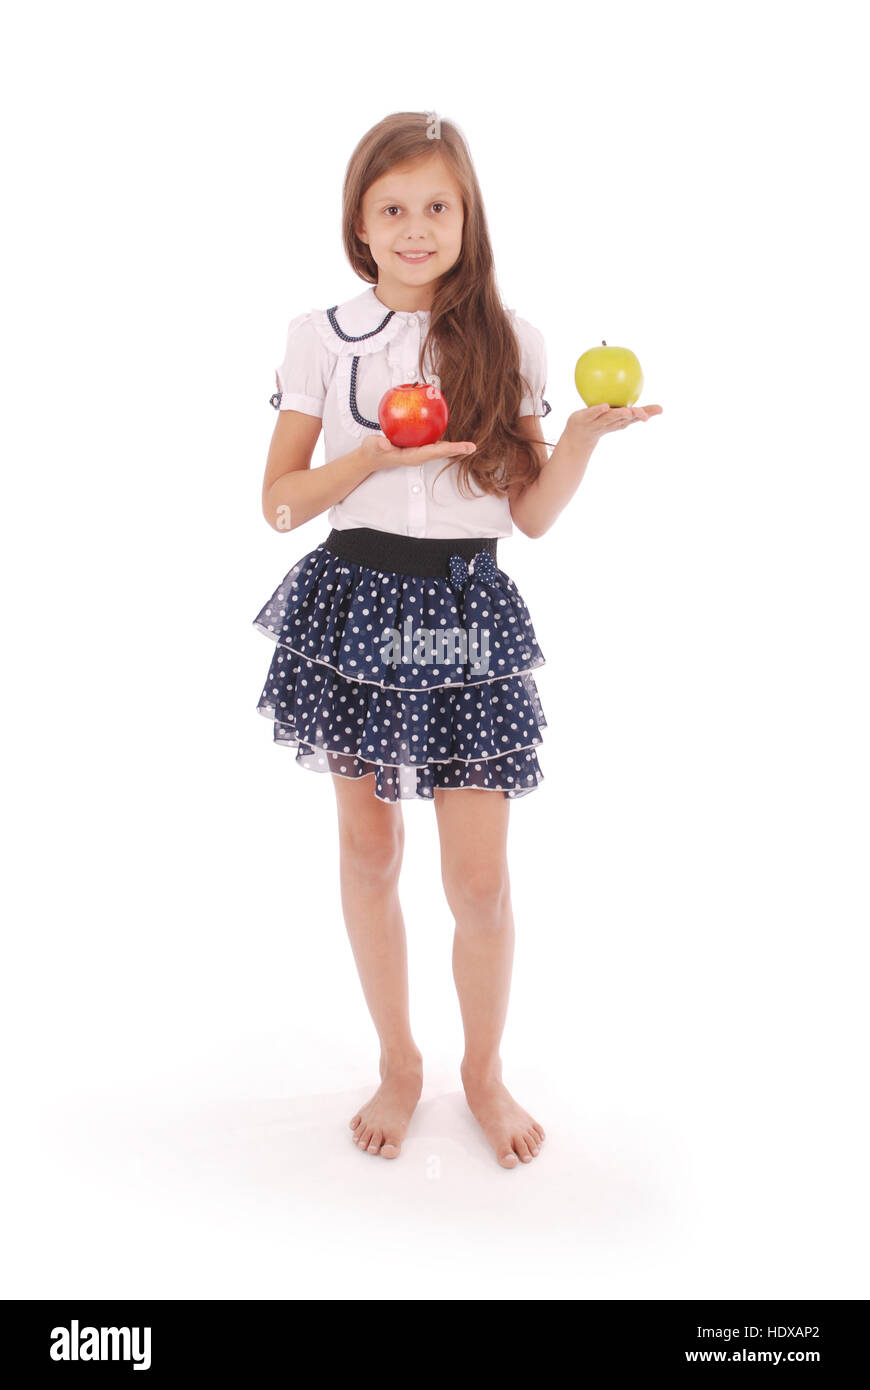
{"points": [[602, 419], [380, 453]]}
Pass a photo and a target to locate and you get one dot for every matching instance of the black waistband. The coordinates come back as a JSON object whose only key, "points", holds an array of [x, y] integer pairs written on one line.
{"points": [[425, 556]]}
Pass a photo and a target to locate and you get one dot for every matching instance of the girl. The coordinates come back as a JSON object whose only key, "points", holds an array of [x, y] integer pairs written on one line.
{"points": [[404, 653]]}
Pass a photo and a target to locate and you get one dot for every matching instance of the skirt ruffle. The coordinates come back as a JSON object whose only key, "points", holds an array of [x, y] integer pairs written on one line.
{"points": [[354, 700]]}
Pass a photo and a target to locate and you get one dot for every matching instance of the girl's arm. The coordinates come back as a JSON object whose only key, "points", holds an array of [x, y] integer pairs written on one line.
{"points": [[293, 491], [536, 507]]}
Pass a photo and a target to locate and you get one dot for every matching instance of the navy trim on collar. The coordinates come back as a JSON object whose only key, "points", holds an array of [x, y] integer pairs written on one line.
{"points": [[349, 338]]}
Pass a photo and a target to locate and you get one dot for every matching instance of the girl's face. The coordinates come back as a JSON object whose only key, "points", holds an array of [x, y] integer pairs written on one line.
{"points": [[413, 207]]}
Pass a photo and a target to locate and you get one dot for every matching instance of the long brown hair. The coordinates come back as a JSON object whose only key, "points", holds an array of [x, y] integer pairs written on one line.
{"points": [[470, 338]]}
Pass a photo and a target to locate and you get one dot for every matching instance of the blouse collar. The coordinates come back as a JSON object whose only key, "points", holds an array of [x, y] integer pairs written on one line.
{"points": [[363, 324]]}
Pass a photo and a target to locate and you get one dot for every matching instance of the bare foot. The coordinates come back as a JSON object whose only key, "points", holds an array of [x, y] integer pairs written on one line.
{"points": [[379, 1126], [514, 1135]]}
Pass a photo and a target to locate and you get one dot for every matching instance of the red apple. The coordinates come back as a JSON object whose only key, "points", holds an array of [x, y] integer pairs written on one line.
{"points": [[413, 414]]}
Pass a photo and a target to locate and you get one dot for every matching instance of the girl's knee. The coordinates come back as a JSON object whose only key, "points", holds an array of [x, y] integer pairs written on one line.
{"points": [[372, 851], [479, 894]]}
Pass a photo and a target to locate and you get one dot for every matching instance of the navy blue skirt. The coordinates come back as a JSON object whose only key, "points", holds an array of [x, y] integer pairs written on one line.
{"points": [[407, 658]]}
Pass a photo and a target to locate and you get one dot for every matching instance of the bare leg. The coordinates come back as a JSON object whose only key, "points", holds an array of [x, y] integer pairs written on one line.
{"points": [[473, 826], [371, 842]]}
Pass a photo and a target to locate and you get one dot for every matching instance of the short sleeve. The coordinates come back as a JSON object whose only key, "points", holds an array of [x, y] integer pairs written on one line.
{"points": [[303, 377], [533, 367]]}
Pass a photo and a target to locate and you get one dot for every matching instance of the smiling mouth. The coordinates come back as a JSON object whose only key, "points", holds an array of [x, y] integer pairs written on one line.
{"points": [[415, 255]]}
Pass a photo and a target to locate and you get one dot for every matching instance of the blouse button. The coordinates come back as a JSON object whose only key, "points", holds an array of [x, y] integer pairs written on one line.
{"points": [[416, 487]]}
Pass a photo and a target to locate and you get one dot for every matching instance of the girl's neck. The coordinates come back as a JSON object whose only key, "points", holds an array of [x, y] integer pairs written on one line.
{"points": [[390, 298]]}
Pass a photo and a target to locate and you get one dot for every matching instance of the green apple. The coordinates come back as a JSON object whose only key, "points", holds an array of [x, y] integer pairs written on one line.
{"points": [[608, 376]]}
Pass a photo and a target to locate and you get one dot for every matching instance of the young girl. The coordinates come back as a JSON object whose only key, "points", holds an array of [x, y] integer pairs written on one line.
{"points": [[404, 652]]}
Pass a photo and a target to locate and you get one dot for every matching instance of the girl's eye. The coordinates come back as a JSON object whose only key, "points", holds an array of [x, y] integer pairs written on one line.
{"points": [[434, 205]]}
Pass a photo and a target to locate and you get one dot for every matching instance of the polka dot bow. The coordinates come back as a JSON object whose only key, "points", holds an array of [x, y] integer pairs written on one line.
{"points": [[482, 567]]}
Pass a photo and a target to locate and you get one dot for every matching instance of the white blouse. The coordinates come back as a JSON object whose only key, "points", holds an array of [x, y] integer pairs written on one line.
{"points": [[337, 365]]}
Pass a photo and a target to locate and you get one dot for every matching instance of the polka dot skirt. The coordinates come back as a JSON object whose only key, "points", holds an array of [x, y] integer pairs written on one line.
{"points": [[354, 701]]}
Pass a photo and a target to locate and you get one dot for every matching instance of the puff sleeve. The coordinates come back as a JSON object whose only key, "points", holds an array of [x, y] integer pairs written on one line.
{"points": [[303, 376], [533, 366]]}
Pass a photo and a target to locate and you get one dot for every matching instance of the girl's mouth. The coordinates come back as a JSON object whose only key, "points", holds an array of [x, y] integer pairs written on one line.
{"points": [[414, 260]]}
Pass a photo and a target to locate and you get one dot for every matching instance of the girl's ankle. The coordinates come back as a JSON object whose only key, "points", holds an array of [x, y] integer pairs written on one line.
{"points": [[482, 1071], [401, 1060]]}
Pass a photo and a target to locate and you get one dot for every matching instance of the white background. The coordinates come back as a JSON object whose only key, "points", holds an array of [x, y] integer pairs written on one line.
{"points": [[184, 1034]]}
